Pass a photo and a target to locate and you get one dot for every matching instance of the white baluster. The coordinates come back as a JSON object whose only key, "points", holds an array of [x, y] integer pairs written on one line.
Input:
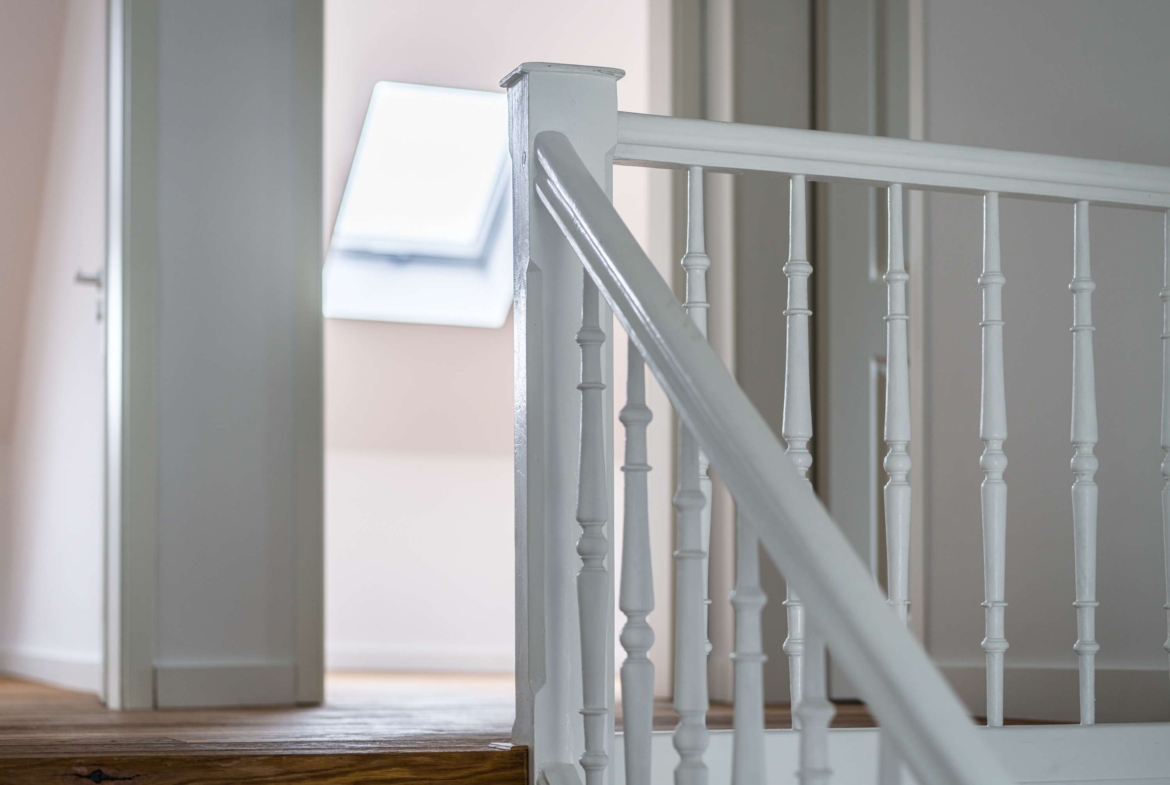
{"points": [[696, 263], [637, 591], [1084, 463], [1166, 414], [815, 711], [897, 416], [690, 626], [747, 764], [797, 423], [993, 432], [593, 597], [897, 436], [690, 649]]}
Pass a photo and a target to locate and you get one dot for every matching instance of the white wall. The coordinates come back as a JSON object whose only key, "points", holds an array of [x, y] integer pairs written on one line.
{"points": [[1075, 78], [418, 577], [434, 592], [52, 584], [419, 497]]}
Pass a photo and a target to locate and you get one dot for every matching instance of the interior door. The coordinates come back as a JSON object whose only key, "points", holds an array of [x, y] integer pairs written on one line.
{"points": [[862, 81]]}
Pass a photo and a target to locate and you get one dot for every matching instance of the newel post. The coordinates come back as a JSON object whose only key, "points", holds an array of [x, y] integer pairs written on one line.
{"points": [[580, 102]]}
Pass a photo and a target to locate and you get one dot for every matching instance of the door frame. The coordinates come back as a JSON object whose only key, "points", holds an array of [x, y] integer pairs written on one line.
{"points": [[894, 66], [131, 471]]}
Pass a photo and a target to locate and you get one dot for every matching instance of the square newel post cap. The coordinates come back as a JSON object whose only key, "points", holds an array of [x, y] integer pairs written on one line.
{"points": [[559, 68]]}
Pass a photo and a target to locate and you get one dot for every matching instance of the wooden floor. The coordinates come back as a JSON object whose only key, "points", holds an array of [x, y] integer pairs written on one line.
{"points": [[416, 729], [850, 714], [372, 729]]}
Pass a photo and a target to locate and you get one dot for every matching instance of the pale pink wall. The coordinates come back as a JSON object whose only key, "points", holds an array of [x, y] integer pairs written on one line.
{"points": [[30, 55], [52, 578], [419, 418], [419, 388], [453, 43]]}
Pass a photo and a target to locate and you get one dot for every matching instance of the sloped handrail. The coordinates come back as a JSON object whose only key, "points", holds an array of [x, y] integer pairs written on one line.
{"points": [[894, 674]]}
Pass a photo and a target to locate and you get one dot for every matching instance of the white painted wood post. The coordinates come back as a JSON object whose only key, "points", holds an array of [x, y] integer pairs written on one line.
{"points": [[797, 421], [1084, 463], [637, 590], [580, 102], [691, 502], [993, 432], [1166, 414], [748, 600], [897, 415], [816, 712], [593, 581]]}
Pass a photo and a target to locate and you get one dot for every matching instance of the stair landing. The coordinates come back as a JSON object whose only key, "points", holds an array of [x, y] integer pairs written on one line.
{"points": [[372, 729]]}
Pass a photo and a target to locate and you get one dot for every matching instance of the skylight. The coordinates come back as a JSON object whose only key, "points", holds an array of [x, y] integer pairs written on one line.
{"points": [[424, 229]]}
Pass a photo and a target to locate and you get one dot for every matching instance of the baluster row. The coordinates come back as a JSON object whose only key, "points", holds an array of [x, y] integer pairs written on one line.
{"points": [[805, 649]]}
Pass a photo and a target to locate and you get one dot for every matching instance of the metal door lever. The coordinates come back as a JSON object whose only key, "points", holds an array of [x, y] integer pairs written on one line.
{"points": [[96, 280]]}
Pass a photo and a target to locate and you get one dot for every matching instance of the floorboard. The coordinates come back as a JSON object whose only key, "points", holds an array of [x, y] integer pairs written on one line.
{"points": [[373, 728]]}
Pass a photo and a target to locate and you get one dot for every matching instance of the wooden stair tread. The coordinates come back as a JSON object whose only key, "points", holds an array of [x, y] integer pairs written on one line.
{"points": [[400, 730], [498, 767], [371, 730]]}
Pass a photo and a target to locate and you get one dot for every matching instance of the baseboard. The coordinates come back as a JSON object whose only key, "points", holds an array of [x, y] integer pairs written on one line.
{"points": [[1051, 693], [1080, 755], [224, 685], [69, 670], [380, 657]]}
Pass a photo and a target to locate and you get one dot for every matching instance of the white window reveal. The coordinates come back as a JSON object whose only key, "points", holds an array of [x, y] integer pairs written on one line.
{"points": [[424, 233]]}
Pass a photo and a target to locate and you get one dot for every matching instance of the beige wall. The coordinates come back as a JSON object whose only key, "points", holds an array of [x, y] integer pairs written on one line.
{"points": [[439, 399], [52, 584]]}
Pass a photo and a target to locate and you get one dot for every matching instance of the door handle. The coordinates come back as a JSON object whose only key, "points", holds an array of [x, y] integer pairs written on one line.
{"points": [[94, 279]]}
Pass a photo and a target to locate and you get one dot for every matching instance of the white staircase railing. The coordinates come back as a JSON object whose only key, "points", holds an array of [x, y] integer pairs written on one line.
{"points": [[566, 133]]}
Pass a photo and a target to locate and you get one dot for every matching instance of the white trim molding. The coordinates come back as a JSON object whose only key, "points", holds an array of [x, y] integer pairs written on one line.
{"points": [[308, 372], [132, 356], [66, 669], [1111, 754], [183, 685], [1049, 693]]}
